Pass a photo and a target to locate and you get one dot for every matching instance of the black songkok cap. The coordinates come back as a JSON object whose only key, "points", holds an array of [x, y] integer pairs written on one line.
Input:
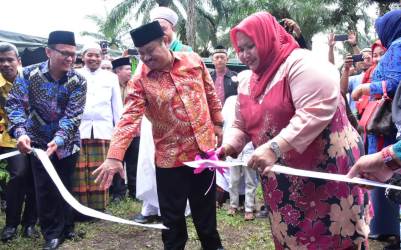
{"points": [[219, 49], [146, 33], [61, 37], [120, 62]]}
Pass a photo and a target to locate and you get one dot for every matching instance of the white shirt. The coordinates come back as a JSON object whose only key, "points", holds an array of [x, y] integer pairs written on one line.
{"points": [[103, 107]]}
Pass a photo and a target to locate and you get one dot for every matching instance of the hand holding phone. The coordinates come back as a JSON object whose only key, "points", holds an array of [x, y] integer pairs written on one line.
{"points": [[357, 58], [340, 38]]}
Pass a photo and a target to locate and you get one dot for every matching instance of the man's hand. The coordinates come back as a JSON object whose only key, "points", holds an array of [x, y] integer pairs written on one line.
{"points": [[262, 159], [51, 148], [371, 167], [24, 144], [362, 89], [106, 172], [218, 131]]}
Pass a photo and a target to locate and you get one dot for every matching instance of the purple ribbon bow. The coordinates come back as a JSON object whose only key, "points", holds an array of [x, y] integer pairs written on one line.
{"points": [[210, 155]]}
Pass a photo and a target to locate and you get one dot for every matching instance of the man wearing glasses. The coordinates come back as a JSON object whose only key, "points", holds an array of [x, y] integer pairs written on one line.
{"points": [[44, 107]]}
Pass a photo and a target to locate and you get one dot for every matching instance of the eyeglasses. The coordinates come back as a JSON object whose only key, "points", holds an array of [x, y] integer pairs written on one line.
{"points": [[65, 54]]}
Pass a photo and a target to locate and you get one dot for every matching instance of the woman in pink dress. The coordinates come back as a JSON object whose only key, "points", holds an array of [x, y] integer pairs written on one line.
{"points": [[294, 114]]}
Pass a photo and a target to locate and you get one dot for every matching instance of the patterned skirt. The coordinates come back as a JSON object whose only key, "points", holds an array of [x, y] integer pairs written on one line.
{"points": [[93, 153]]}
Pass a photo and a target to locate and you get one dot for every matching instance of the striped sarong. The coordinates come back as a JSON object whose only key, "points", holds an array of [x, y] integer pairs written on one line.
{"points": [[93, 153]]}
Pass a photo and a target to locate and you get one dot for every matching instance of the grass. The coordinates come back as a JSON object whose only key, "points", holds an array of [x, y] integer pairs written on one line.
{"points": [[234, 232]]}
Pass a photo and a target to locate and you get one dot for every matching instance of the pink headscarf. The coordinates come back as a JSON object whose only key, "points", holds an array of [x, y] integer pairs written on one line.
{"points": [[272, 42]]}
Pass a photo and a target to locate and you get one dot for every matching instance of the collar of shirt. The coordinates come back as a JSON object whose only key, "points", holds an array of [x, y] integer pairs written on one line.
{"points": [[3, 81], [45, 70], [146, 70], [92, 72], [221, 74]]}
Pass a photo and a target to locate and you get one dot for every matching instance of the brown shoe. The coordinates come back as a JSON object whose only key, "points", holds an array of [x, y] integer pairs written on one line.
{"points": [[249, 216], [232, 211]]}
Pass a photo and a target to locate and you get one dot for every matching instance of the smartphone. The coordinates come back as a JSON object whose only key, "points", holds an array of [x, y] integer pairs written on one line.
{"points": [[282, 23], [357, 58], [132, 52], [340, 38]]}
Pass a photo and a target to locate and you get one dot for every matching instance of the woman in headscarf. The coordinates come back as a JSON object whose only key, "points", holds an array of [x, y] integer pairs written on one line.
{"points": [[378, 51], [294, 114], [388, 28]]}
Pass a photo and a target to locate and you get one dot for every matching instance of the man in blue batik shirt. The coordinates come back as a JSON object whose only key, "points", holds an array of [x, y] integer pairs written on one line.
{"points": [[45, 107]]}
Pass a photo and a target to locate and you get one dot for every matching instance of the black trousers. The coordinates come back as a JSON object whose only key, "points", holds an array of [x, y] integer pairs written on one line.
{"points": [[118, 187], [174, 187], [19, 190], [55, 215]]}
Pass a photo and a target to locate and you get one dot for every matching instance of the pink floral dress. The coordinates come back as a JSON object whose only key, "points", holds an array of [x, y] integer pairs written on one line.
{"points": [[306, 213]]}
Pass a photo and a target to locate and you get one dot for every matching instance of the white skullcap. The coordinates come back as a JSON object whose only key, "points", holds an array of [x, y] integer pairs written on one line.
{"points": [[91, 45], [164, 13]]}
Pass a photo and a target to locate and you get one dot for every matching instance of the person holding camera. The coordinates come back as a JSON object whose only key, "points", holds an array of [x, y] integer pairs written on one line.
{"points": [[350, 38], [349, 82]]}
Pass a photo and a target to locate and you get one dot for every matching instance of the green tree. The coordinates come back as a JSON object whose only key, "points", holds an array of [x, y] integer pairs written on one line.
{"points": [[195, 12], [111, 34]]}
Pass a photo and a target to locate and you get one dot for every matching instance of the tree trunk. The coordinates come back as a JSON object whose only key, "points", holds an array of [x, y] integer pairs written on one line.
{"points": [[191, 24]]}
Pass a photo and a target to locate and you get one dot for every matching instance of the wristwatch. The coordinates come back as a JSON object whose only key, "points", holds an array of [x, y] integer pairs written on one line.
{"points": [[388, 159], [276, 149]]}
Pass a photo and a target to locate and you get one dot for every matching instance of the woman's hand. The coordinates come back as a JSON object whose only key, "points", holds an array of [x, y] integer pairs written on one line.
{"points": [[292, 27], [362, 89], [371, 167], [262, 159]]}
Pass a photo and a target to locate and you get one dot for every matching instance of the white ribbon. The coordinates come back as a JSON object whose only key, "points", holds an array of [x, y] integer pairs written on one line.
{"points": [[298, 172], [42, 156]]}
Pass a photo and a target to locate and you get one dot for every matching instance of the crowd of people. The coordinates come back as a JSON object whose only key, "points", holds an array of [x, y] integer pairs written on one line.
{"points": [[127, 125]]}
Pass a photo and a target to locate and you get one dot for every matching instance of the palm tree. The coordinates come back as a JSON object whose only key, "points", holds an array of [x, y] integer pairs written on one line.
{"points": [[111, 34], [188, 10]]}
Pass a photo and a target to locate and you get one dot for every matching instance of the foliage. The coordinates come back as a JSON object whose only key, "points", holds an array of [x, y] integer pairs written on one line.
{"points": [[214, 18], [111, 34], [4, 175]]}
